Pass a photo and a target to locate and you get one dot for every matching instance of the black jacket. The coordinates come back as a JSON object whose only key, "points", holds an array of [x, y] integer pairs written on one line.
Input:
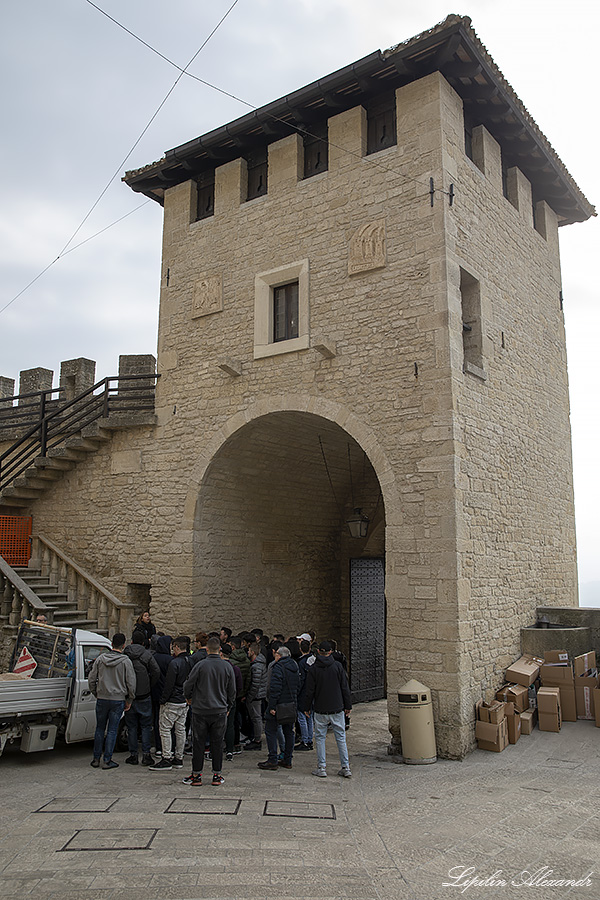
{"points": [[177, 674], [146, 668], [283, 682], [163, 657], [327, 687]]}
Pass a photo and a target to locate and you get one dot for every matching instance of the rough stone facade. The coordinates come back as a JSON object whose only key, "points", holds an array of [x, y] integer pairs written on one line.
{"points": [[454, 441]]}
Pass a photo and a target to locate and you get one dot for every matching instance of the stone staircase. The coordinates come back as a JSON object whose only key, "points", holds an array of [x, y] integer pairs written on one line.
{"points": [[41, 438], [62, 610], [57, 587], [45, 470]]}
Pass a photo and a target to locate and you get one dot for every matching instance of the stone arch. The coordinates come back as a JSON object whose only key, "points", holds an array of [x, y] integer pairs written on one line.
{"points": [[326, 409], [269, 540]]}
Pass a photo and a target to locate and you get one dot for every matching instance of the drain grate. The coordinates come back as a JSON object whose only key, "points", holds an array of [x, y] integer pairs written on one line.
{"points": [[562, 763], [204, 806], [91, 839], [77, 805], [297, 809]]}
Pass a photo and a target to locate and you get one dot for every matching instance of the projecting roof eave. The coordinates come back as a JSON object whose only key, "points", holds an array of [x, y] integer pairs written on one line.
{"points": [[452, 48]]}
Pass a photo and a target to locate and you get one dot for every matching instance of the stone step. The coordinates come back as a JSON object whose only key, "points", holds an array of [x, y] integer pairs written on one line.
{"points": [[97, 431], [85, 445], [47, 462], [31, 480], [21, 493], [42, 474], [66, 453]]}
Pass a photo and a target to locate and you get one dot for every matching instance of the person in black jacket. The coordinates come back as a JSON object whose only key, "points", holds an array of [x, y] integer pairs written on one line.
{"points": [[139, 715], [144, 624], [173, 708], [283, 684], [328, 691]]}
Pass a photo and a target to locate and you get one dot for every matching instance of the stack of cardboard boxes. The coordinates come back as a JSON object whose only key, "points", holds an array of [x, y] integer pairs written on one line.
{"points": [[549, 690]]}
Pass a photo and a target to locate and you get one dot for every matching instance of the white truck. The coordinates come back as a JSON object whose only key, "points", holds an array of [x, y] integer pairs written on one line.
{"points": [[56, 700]]}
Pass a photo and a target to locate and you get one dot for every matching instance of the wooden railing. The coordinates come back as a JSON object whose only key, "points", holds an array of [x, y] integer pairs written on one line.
{"points": [[81, 588], [17, 600]]}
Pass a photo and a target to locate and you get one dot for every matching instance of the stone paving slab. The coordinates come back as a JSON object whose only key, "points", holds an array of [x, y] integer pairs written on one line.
{"points": [[399, 832]]}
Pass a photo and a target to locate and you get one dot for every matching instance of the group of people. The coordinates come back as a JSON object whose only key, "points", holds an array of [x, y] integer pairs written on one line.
{"points": [[206, 701]]}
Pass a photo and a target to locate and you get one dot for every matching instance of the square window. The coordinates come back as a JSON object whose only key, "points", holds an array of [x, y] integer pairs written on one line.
{"points": [[281, 310], [285, 311]]}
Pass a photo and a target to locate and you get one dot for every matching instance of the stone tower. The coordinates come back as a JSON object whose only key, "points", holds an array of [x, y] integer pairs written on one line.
{"points": [[360, 310]]}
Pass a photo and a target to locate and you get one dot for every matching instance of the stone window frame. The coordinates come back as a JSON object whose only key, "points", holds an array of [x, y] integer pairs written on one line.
{"points": [[264, 283]]}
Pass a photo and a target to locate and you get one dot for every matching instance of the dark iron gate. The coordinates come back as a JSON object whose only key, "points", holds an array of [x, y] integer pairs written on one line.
{"points": [[367, 629]]}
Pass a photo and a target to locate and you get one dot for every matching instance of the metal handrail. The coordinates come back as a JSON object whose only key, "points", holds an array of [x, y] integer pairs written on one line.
{"points": [[117, 394]]}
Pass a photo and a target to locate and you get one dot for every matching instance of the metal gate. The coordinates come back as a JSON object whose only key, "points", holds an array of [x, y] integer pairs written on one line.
{"points": [[367, 629]]}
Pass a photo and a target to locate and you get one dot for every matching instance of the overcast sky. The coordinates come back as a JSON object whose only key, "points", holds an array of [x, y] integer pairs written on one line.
{"points": [[78, 92]]}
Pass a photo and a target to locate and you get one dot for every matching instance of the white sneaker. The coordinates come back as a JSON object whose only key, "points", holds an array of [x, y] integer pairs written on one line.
{"points": [[320, 773], [345, 773]]}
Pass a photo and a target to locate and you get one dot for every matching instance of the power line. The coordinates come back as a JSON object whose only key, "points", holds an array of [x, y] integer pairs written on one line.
{"points": [[76, 247], [117, 172], [297, 128], [119, 169]]}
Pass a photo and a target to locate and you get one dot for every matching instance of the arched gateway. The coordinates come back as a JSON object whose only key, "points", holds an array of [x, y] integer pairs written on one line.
{"points": [[274, 492]]}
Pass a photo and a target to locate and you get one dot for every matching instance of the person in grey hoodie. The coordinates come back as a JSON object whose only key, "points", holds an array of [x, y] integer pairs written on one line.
{"points": [[112, 682]]}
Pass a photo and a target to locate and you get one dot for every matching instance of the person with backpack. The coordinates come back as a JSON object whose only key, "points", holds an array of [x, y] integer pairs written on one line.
{"points": [[139, 715]]}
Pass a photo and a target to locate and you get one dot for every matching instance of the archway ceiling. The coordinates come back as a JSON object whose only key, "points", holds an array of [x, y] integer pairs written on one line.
{"points": [[286, 444]]}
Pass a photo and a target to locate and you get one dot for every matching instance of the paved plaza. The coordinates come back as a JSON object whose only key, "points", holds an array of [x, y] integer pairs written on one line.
{"points": [[70, 832]]}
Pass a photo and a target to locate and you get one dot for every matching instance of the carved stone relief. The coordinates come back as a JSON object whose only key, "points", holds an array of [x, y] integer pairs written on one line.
{"points": [[367, 248], [208, 296]]}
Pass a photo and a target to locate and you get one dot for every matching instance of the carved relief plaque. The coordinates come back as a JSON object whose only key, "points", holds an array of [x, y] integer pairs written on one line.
{"points": [[367, 248], [208, 296]]}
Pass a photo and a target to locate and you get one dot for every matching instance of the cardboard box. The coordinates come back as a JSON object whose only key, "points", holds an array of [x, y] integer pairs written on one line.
{"points": [[549, 721], [596, 695], [562, 676], [492, 712], [528, 720], [492, 737], [555, 674], [513, 724], [514, 693], [556, 657], [568, 703], [584, 696], [548, 699], [582, 665], [524, 671]]}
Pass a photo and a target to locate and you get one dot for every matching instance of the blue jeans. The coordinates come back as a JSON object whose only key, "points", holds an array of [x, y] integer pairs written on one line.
{"points": [[306, 728], [139, 714], [108, 716], [338, 726]]}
